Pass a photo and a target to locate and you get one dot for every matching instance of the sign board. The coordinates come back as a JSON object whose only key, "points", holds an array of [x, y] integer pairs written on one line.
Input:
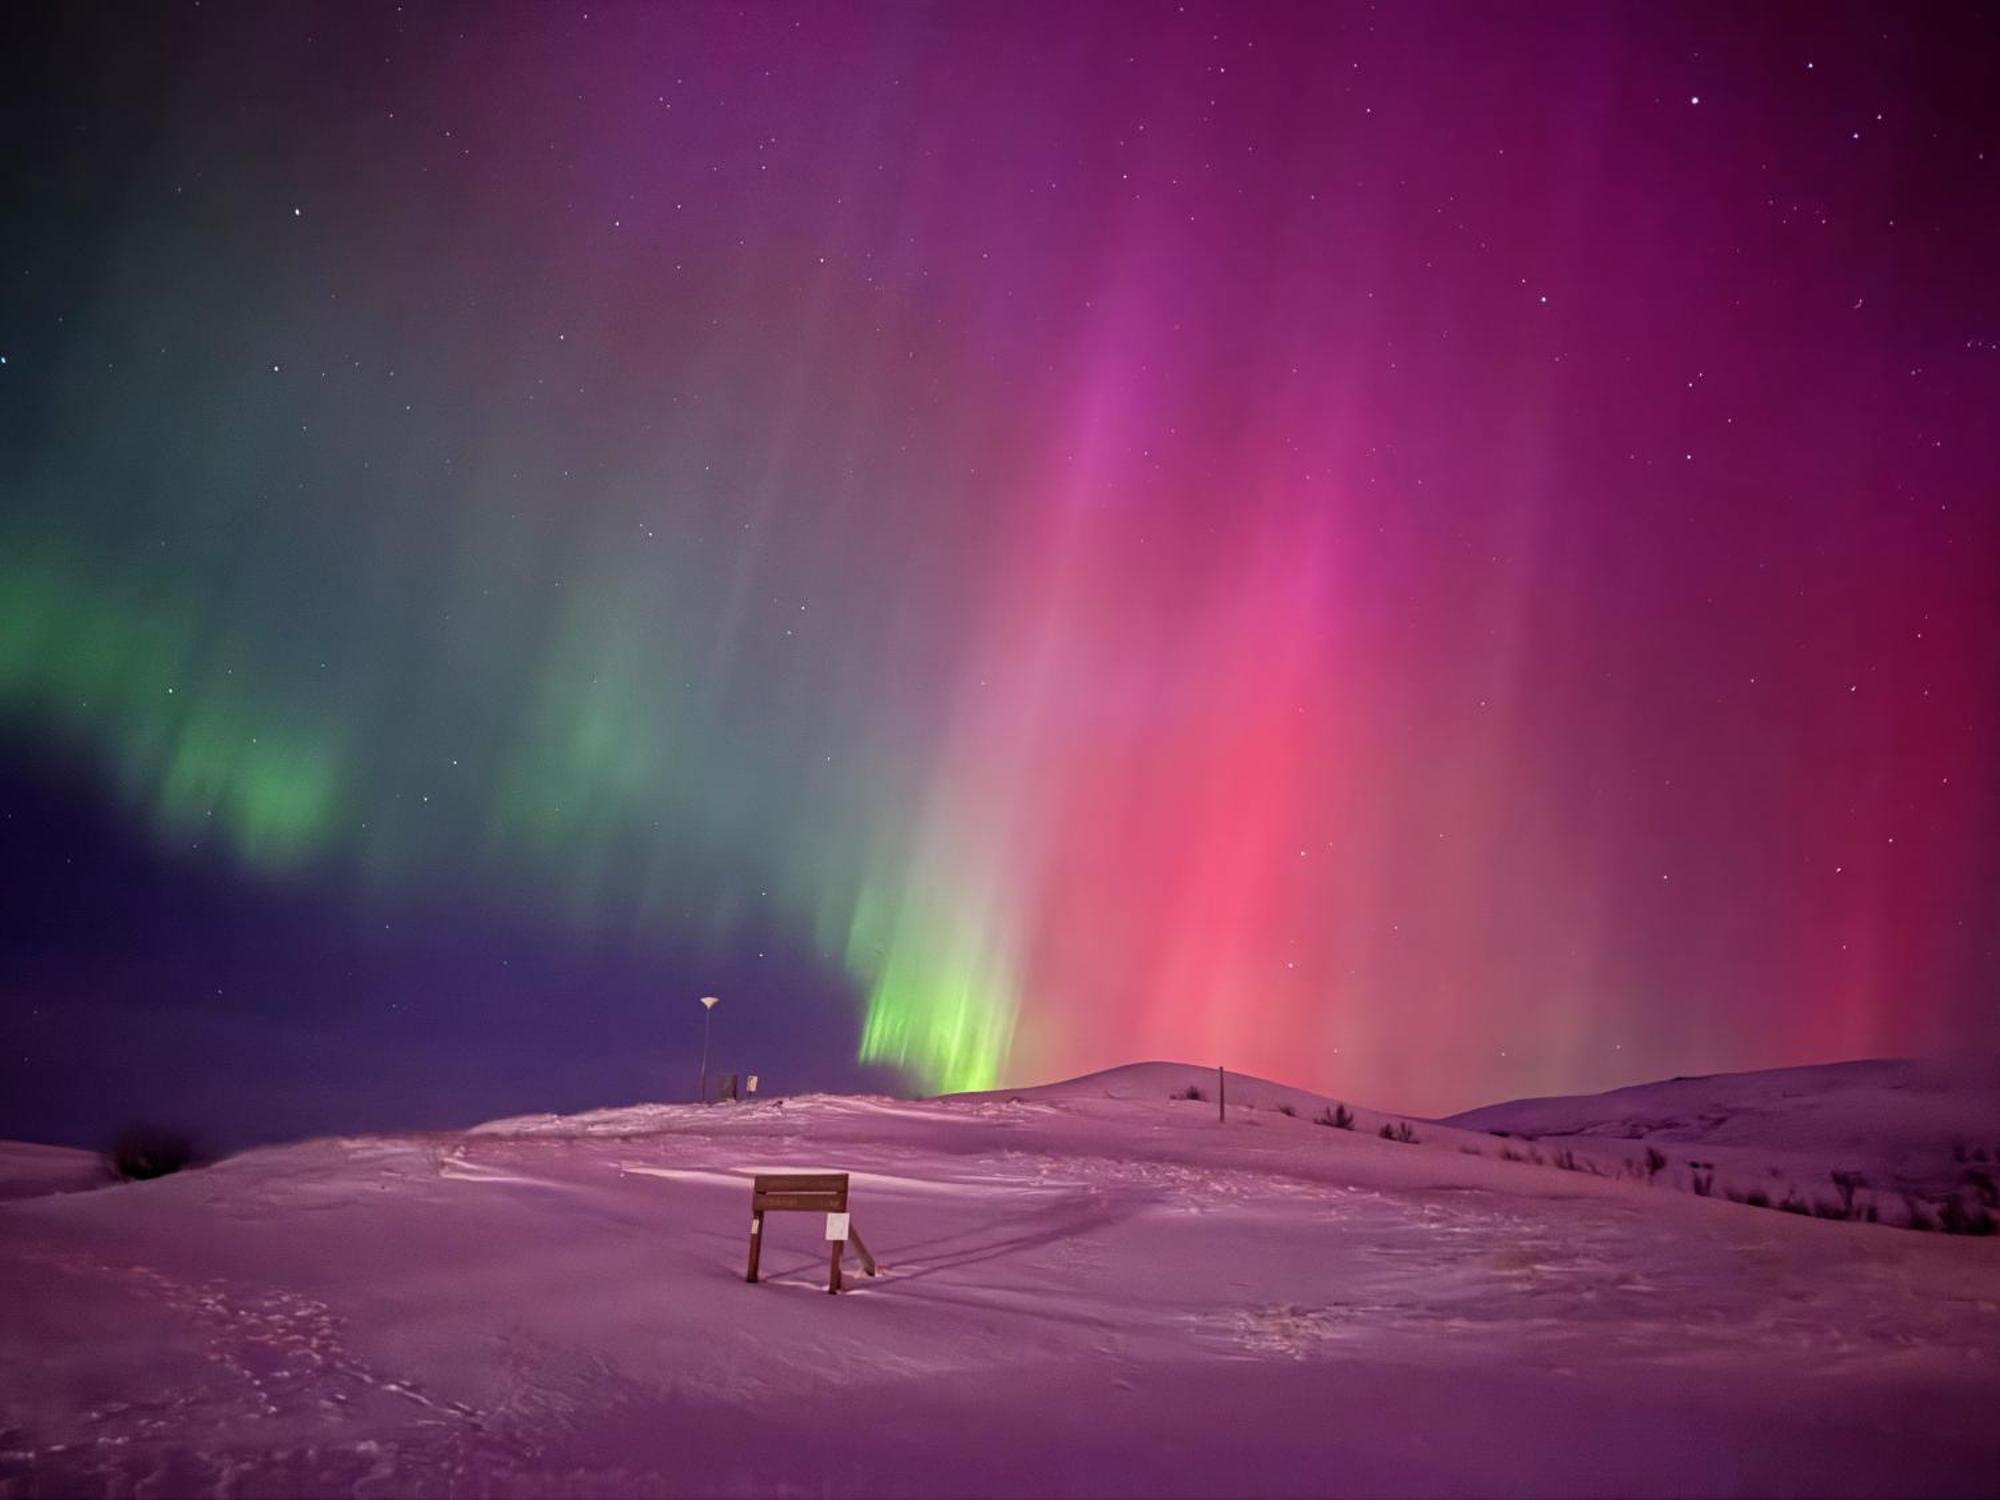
{"points": [[806, 1192]]}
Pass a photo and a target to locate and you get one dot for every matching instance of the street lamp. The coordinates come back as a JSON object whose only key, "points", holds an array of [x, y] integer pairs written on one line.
{"points": [[708, 1004]]}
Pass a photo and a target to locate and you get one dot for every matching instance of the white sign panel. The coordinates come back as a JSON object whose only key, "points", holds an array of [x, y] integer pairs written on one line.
{"points": [[836, 1226]]}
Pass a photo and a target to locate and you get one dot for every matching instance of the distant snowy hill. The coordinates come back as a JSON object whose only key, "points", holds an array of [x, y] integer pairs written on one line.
{"points": [[1905, 1126], [1093, 1288], [1150, 1081], [28, 1171]]}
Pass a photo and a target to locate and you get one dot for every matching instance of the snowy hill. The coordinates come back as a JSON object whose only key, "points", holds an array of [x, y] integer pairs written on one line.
{"points": [[1093, 1289], [1149, 1082], [1903, 1127], [28, 1171]]}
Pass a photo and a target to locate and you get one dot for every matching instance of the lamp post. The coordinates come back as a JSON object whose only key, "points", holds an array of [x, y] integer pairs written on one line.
{"points": [[708, 1004]]}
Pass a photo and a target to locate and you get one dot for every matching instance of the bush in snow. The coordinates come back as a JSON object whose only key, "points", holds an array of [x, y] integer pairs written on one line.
{"points": [[146, 1151], [1400, 1132], [1192, 1091], [1340, 1117], [1957, 1218], [1981, 1182], [1845, 1184]]}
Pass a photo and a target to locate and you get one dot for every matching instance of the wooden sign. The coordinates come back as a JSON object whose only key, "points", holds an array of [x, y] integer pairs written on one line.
{"points": [[806, 1192]]}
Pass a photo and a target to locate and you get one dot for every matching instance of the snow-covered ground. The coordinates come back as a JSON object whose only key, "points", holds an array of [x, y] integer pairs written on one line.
{"points": [[1091, 1288], [1900, 1131], [29, 1171]]}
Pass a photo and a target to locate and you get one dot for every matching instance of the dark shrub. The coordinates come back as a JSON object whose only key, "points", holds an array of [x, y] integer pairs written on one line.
{"points": [[1919, 1216], [1286, 1109], [1566, 1161], [1846, 1183], [1192, 1091], [146, 1151], [1340, 1117], [1956, 1218], [1656, 1162]]}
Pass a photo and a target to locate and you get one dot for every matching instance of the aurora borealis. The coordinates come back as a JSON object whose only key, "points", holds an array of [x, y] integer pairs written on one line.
{"points": [[1433, 552]]}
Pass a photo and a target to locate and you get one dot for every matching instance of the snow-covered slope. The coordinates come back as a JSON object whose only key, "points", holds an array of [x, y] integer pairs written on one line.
{"points": [[1926, 1129], [1095, 1290], [1150, 1082], [28, 1171]]}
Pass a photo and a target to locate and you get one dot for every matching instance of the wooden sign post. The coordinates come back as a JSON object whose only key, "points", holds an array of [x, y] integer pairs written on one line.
{"points": [[807, 1192]]}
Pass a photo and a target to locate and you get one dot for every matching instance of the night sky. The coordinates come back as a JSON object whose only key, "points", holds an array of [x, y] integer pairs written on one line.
{"points": [[1433, 552]]}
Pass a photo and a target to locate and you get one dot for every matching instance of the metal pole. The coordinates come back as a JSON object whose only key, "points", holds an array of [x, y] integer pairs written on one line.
{"points": [[1221, 1093], [708, 1004]]}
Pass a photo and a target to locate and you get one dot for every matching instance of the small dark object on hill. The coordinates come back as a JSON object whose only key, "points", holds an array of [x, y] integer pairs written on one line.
{"points": [[1656, 1162], [1919, 1216], [142, 1152], [1566, 1161], [1981, 1182], [1399, 1132], [1340, 1117], [1702, 1176], [1192, 1091], [1286, 1109], [1846, 1183], [1956, 1218], [1756, 1198]]}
